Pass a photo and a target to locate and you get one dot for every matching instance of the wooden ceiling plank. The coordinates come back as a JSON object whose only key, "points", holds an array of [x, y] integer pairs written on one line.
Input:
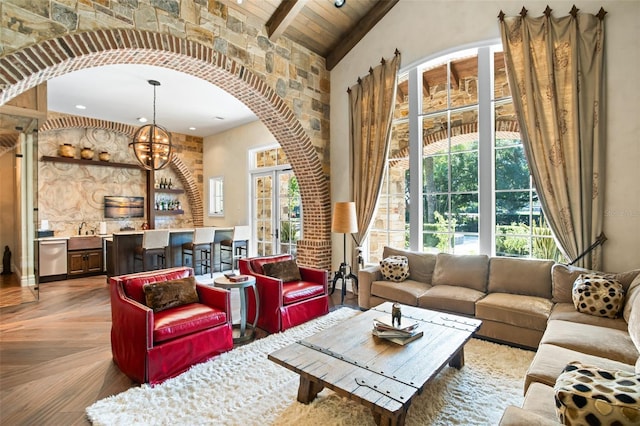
{"points": [[283, 17], [347, 43]]}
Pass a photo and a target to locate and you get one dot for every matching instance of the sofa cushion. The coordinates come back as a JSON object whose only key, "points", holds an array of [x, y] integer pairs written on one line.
{"points": [[469, 271], [515, 309], [634, 323], [632, 292], [539, 399], [591, 395], [296, 291], [597, 295], [395, 268], [563, 277], [133, 284], [567, 312], [550, 360], [406, 292], [165, 295], [286, 270], [529, 277], [460, 300], [591, 339], [184, 320], [420, 264]]}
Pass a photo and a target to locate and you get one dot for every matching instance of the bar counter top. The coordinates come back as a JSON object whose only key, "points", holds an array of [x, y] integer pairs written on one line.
{"points": [[122, 245]]}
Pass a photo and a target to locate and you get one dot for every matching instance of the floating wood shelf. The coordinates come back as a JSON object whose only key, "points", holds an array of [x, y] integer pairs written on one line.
{"points": [[168, 212], [169, 191], [80, 161]]}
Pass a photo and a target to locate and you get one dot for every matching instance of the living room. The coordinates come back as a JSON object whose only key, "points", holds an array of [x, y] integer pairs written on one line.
{"points": [[416, 29]]}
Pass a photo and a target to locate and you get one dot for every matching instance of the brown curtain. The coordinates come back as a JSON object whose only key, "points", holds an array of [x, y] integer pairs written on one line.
{"points": [[371, 103], [555, 68]]}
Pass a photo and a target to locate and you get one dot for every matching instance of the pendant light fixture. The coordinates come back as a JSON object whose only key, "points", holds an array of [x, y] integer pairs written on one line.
{"points": [[152, 143]]}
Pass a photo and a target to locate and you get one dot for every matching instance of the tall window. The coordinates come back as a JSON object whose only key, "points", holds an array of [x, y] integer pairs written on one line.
{"points": [[475, 191]]}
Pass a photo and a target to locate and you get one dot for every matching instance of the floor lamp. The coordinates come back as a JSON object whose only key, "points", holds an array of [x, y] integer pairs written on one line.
{"points": [[344, 222]]}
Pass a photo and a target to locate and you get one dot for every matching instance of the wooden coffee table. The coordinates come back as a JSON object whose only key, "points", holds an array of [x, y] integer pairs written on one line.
{"points": [[379, 374]]}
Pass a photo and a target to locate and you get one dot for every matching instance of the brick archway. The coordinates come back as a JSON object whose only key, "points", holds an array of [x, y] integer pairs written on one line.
{"points": [[177, 165], [33, 65]]}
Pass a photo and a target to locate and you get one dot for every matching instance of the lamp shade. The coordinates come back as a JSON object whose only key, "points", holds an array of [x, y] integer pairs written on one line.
{"points": [[344, 218]]}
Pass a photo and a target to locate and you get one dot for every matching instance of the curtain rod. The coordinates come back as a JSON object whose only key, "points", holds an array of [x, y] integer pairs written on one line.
{"points": [[382, 61], [547, 12]]}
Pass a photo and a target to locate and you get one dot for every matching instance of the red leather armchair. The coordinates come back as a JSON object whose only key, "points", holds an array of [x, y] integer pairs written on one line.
{"points": [[285, 304], [151, 347]]}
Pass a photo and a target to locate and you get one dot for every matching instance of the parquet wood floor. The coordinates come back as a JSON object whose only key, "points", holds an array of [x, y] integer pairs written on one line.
{"points": [[55, 354]]}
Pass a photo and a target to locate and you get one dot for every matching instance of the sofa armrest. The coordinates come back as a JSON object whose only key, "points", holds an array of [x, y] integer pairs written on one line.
{"points": [[315, 275], [366, 277], [218, 298]]}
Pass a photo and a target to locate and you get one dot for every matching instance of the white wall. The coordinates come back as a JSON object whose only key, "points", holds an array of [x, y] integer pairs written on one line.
{"points": [[227, 154], [427, 28]]}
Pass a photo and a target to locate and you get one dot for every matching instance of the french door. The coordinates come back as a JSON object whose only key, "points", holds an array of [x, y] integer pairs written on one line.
{"points": [[277, 214]]}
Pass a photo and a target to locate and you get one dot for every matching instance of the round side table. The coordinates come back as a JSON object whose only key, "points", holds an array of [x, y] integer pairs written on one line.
{"points": [[242, 334]]}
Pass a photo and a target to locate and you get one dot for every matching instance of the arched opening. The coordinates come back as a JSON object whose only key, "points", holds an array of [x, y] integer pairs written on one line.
{"points": [[33, 65]]}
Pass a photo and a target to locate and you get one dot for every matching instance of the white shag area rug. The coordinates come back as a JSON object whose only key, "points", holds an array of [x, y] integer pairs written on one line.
{"points": [[242, 387]]}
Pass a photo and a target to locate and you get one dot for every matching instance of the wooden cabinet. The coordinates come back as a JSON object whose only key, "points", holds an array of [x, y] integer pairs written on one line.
{"points": [[84, 262]]}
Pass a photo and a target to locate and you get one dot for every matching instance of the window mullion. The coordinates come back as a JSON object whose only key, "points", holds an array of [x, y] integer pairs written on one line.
{"points": [[485, 151], [415, 162]]}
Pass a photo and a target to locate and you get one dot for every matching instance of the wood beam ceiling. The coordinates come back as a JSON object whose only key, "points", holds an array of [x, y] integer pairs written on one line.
{"points": [[345, 45], [283, 17]]}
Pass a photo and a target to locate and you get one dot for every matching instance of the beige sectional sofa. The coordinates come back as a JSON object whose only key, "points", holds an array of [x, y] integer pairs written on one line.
{"points": [[511, 296], [522, 302]]}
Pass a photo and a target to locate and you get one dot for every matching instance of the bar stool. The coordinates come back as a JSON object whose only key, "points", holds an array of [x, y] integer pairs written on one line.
{"points": [[202, 243], [155, 243], [236, 248]]}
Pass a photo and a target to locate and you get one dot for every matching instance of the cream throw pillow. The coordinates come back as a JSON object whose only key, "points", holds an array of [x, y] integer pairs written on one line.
{"points": [[395, 268]]}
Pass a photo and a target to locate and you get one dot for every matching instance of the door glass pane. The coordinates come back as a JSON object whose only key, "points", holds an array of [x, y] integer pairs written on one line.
{"points": [[289, 213], [263, 190]]}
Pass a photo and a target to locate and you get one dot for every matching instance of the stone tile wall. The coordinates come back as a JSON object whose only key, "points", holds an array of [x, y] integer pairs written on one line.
{"points": [[286, 85]]}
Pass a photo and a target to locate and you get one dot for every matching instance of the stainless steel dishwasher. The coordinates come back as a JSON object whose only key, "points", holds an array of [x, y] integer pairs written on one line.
{"points": [[52, 259]]}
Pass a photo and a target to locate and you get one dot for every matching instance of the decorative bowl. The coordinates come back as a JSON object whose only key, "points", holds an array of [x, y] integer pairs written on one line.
{"points": [[67, 150], [86, 153]]}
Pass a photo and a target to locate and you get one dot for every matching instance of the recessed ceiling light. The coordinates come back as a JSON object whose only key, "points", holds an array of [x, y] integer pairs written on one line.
{"points": [[81, 106], [192, 128], [142, 119]]}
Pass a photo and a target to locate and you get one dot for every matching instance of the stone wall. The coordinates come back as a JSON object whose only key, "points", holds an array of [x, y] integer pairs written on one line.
{"points": [[43, 39]]}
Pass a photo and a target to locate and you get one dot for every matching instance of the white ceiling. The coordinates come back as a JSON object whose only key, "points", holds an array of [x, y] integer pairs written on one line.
{"points": [[121, 93]]}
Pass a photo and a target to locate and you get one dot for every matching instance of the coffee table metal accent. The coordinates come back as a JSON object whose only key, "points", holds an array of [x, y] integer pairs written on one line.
{"points": [[377, 373], [242, 286]]}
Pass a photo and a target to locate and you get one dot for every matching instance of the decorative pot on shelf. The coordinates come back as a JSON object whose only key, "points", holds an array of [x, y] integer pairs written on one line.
{"points": [[67, 150], [104, 156], [86, 153]]}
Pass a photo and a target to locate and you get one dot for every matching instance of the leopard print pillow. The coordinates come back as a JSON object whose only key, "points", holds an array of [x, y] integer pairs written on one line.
{"points": [[395, 268], [598, 295], [587, 395]]}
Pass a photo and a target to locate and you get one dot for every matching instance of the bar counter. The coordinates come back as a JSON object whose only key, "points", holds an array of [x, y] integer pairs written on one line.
{"points": [[121, 249]]}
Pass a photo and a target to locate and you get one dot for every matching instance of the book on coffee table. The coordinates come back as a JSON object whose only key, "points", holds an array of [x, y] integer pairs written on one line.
{"points": [[401, 335], [397, 338]]}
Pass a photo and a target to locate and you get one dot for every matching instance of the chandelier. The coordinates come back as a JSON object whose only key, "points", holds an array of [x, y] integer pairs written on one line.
{"points": [[152, 143]]}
